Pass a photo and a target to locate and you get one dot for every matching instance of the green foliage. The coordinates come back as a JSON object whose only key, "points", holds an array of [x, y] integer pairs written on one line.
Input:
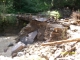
{"points": [[7, 19], [7, 22], [6, 6], [11, 19], [54, 13], [66, 3], [34, 6], [1, 8], [31, 6], [58, 3]]}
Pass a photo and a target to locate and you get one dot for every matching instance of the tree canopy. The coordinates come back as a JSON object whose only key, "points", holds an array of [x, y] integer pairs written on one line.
{"points": [[33, 6]]}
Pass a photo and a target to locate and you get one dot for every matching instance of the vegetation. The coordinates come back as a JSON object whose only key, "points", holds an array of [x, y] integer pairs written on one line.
{"points": [[32, 6], [35, 6]]}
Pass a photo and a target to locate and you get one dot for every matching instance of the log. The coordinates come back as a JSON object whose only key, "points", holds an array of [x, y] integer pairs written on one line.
{"points": [[60, 42]]}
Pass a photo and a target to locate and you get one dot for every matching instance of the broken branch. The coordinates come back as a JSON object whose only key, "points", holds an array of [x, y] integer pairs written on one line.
{"points": [[60, 42]]}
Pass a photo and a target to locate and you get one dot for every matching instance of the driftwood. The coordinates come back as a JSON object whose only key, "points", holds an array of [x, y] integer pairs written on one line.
{"points": [[60, 42]]}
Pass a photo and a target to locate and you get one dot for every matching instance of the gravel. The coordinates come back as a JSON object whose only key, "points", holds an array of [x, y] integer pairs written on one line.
{"points": [[37, 52]]}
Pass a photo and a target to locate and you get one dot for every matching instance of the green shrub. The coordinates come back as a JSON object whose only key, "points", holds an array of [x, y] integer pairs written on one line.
{"points": [[54, 13]]}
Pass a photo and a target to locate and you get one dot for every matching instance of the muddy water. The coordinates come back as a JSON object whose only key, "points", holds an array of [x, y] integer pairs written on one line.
{"points": [[4, 42]]}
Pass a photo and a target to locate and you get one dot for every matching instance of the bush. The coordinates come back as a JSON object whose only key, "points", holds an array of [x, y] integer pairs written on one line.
{"points": [[54, 13]]}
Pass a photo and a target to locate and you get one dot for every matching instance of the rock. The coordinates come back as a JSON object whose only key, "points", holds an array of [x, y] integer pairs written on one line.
{"points": [[65, 58], [16, 48], [29, 39], [23, 42], [35, 57], [73, 22], [66, 25], [20, 54], [74, 27], [11, 44], [20, 58]]}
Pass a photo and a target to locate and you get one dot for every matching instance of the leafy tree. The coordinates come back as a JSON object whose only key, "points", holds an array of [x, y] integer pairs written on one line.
{"points": [[66, 3], [30, 5], [33, 6], [6, 6]]}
